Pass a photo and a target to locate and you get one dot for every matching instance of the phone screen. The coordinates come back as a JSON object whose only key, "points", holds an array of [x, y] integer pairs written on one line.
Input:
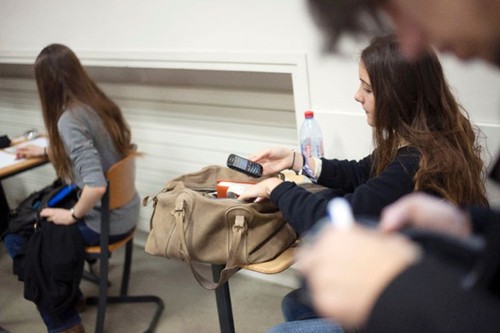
{"points": [[241, 163]]}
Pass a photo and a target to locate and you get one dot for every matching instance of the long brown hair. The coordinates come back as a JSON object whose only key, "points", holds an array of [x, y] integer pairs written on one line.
{"points": [[414, 105], [63, 83]]}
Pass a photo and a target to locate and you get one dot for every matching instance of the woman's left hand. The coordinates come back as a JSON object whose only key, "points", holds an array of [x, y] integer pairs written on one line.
{"points": [[261, 190], [58, 215]]}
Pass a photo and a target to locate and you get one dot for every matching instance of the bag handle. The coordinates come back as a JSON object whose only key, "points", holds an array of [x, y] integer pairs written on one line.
{"points": [[231, 266]]}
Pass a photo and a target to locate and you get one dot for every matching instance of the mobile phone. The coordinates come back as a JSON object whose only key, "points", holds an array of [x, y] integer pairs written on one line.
{"points": [[244, 165]]}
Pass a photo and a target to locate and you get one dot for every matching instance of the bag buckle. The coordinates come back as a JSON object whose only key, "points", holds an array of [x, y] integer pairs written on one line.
{"points": [[239, 223], [179, 208]]}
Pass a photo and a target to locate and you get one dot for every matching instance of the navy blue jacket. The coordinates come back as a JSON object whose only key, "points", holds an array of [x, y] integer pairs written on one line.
{"points": [[438, 295], [367, 195], [432, 296]]}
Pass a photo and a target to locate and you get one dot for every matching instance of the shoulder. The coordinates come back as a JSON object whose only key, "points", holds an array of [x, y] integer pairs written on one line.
{"points": [[408, 158], [408, 150], [78, 115], [408, 153]]}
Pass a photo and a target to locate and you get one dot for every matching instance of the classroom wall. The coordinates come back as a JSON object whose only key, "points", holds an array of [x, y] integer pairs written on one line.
{"points": [[247, 34]]}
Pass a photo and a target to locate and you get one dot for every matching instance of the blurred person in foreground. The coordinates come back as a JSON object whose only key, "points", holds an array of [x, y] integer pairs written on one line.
{"points": [[382, 281]]}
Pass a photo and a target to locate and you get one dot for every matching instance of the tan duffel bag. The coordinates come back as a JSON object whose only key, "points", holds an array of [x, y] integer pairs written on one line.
{"points": [[189, 224]]}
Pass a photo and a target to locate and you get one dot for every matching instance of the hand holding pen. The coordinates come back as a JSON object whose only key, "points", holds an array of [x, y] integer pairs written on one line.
{"points": [[347, 266]]}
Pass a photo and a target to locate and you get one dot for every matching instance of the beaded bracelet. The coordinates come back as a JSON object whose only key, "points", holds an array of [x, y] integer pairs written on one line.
{"points": [[306, 170]]}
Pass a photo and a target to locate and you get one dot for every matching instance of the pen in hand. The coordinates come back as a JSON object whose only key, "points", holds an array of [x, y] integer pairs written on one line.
{"points": [[340, 213], [340, 217]]}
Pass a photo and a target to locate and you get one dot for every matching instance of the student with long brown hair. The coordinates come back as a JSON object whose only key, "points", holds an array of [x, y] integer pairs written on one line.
{"points": [[420, 134], [87, 134]]}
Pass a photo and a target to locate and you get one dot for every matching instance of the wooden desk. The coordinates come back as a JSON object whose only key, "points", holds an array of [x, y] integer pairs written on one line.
{"points": [[9, 166], [9, 171], [25, 165]]}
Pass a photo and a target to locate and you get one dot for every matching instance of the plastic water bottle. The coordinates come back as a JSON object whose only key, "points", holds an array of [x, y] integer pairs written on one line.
{"points": [[311, 137]]}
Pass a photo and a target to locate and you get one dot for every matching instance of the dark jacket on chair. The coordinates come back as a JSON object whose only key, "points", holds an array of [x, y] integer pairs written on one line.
{"points": [[51, 266]]}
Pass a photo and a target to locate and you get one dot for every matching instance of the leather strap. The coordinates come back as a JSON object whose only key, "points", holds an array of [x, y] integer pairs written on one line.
{"points": [[231, 267]]}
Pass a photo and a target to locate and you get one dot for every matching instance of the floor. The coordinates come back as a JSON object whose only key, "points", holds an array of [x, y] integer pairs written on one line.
{"points": [[188, 307]]}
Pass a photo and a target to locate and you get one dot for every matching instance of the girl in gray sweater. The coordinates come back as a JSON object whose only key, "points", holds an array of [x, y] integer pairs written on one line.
{"points": [[87, 134]]}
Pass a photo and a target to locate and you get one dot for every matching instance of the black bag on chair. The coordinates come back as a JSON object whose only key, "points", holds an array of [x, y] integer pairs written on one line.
{"points": [[51, 261], [23, 218]]}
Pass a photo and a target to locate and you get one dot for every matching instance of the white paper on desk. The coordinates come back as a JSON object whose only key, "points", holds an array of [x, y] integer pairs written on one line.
{"points": [[8, 159], [8, 155], [41, 141]]}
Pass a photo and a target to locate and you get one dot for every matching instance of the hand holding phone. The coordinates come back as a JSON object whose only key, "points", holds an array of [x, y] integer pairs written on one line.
{"points": [[244, 165]]}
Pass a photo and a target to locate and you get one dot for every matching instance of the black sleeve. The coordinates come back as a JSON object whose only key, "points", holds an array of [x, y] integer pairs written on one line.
{"points": [[482, 218], [428, 297], [343, 174], [4, 141], [300, 208], [368, 197]]}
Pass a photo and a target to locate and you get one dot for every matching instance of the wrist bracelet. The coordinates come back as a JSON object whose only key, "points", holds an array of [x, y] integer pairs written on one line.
{"points": [[306, 170], [293, 160], [72, 210]]}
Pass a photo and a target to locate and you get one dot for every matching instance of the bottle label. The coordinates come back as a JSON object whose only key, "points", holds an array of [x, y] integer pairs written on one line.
{"points": [[312, 148], [306, 148]]}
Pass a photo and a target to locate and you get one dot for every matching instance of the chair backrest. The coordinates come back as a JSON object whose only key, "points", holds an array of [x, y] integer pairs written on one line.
{"points": [[121, 177]]}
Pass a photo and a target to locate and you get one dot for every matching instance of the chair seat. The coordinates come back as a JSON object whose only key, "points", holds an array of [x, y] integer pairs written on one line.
{"points": [[96, 249]]}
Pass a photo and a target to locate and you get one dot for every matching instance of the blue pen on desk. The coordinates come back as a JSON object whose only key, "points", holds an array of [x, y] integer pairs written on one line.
{"points": [[340, 213]]}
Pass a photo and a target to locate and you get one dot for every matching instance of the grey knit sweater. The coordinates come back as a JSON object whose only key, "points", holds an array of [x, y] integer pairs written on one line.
{"points": [[91, 151]]}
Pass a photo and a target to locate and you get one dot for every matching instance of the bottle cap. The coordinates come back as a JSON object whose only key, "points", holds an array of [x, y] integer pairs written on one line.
{"points": [[309, 114]]}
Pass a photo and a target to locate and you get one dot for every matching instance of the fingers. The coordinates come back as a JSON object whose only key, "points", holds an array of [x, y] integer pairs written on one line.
{"points": [[251, 192], [406, 211], [46, 212], [29, 151], [394, 217], [337, 265], [21, 152], [425, 212], [259, 156]]}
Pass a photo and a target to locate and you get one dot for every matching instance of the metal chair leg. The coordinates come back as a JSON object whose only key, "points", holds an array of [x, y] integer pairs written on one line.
{"points": [[103, 299], [126, 268], [103, 291], [223, 299]]}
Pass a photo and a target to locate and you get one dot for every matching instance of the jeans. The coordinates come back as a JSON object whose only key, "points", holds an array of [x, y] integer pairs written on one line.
{"points": [[307, 326], [300, 317], [70, 317], [295, 306]]}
